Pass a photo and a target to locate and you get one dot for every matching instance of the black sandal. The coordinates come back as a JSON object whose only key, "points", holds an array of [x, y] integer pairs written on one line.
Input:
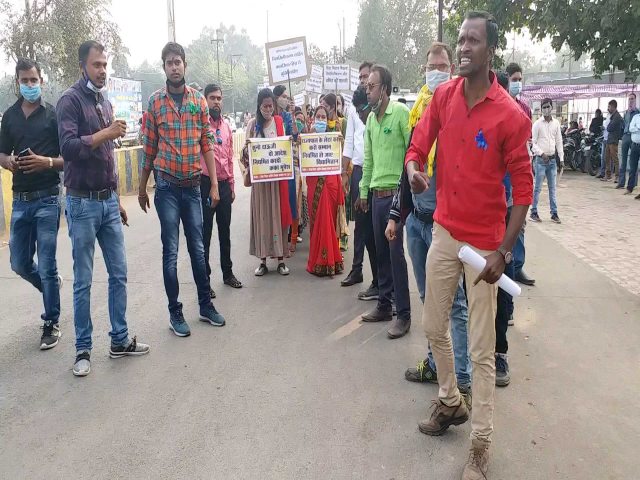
{"points": [[233, 282]]}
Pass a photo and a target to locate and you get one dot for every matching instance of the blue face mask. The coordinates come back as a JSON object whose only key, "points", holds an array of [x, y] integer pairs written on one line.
{"points": [[515, 88], [320, 126], [29, 93]]}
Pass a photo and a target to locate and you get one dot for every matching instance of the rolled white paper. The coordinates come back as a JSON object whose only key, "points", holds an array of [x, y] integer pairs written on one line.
{"points": [[477, 262]]}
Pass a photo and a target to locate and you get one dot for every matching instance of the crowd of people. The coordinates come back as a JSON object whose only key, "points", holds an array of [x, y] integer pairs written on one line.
{"points": [[470, 134]]}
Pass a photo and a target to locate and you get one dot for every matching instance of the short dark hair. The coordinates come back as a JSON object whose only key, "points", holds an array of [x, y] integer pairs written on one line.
{"points": [[360, 96], [631, 94], [512, 68], [25, 64], [546, 101], [278, 90], [598, 112], [503, 79], [439, 47], [613, 103], [492, 26], [365, 65], [212, 87], [385, 77], [85, 48], [173, 48]]}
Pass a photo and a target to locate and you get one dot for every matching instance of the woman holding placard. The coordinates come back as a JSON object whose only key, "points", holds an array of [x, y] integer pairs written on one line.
{"points": [[270, 210], [325, 195]]}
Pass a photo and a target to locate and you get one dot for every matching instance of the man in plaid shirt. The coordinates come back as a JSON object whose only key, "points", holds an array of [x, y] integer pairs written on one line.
{"points": [[175, 134]]}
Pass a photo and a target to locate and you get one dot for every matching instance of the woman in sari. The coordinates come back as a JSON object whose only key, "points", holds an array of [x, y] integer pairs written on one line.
{"points": [[325, 195], [270, 210]]}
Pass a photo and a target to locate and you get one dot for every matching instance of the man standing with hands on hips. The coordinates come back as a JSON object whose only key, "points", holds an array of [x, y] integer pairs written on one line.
{"points": [[482, 134], [177, 131], [29, 148], [87, 134]]}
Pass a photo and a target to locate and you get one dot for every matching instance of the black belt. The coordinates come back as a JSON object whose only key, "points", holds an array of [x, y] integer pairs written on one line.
{"points": [[91, 194], [184, 182], [29, 196], [424, 217]]}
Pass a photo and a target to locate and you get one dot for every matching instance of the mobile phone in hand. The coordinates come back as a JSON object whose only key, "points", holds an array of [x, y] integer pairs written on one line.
{"points": [[23, 153]]}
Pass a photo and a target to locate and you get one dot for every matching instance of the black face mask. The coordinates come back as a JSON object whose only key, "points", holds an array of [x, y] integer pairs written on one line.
{"points": [[175, 84], [215, 113]]}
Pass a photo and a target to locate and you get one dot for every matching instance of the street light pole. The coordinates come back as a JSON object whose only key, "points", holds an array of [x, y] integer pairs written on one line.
{"points": [[233, 85], [440, 8], [218, 41]]}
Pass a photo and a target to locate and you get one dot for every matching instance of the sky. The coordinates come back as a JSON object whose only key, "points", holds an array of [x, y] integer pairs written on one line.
{"points": [[143, 23]]}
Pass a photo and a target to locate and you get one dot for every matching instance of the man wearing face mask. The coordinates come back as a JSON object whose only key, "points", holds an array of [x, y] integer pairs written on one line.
{"points": [[222, 139], [87, 134], [385, 143], [29, 149], [546, 144], [417, 210], [176, 134]]}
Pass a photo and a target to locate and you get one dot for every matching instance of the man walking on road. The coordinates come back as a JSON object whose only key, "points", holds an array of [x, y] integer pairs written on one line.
{"points": [[87, 133], [29, 148], [385, 144], [514, 72], [177, 131], [546, 143], [354, 153], [614, 133], [481, 135], [223, 154], [631, 112]]}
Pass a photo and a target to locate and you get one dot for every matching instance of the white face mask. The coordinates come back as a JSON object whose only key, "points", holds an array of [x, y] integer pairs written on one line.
{"points": [[434, 78], [283, 103]]}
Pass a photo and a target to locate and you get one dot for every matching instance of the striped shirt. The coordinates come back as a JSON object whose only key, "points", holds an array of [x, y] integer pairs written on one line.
{"points": [[173, 139]]}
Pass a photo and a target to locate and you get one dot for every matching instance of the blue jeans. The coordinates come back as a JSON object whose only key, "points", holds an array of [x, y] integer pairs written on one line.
{"points": [[88, 221], [173, 204], [625, 147], [550, 171], [519, 251], [633, 166], [419, 236], [34, 229]]}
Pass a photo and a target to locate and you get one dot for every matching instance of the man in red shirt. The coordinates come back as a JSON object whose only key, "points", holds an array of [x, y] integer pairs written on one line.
{"points": [[482, 135]]}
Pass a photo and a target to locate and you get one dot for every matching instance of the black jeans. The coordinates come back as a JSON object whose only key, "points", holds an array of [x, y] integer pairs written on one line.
{"points": [[222, 212], [392, 264], [363, 231], [504, 308]]}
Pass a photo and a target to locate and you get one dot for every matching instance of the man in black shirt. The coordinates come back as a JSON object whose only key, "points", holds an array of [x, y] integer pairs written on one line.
{"points": [[29, 149]]}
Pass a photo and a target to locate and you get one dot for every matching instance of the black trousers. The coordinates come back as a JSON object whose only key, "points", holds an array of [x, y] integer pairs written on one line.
{"points": [[222, 212], [363, 232], [504, 308]]}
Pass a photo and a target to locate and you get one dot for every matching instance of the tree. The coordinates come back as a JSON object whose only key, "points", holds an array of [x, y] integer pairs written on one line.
{"points": [[317, 56], [396, 33], [50, 31], [605, 30]]}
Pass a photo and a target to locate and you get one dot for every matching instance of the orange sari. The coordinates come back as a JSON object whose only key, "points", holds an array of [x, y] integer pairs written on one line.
{"points": [[324, 196]]}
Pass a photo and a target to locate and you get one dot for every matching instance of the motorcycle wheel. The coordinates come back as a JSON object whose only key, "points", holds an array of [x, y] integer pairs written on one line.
{"points": [[583, 162], [572, 161], [594, 164]]}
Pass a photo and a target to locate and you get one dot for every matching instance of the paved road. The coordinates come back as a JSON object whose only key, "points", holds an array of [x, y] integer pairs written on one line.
{"points": [[294, 387]]}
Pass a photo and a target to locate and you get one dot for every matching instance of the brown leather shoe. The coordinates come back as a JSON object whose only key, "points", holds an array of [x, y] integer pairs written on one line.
{"points": [[443, 417], [478, 463], [377, 315], [399, 327]]}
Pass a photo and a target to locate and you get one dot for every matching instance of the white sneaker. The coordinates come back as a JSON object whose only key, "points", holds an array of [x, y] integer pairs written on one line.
{"points": [[283, 269], [82, 367]]}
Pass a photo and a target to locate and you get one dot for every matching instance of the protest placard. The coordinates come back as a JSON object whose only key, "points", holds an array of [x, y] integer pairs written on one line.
{"points": [[299, 99], [314, 82], [320, 154], [270, 159], [287, 60], [337, 77], [355, 79]]}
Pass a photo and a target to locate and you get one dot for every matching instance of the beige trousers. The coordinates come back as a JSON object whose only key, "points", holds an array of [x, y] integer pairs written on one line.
{"points": [[443, 271]]}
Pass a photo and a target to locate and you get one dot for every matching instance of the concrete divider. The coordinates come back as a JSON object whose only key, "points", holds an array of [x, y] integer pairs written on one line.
{"points": [[128, 162]]}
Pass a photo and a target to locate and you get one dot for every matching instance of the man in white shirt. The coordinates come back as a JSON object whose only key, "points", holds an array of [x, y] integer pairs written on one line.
{"points": [[354, 153], [634, 129], [547, 150]]}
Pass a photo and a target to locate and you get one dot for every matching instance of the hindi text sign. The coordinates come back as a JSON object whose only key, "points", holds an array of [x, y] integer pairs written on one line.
{"points": [[320, 154], [337, 77], [287, 60], [314, 82], [270, 159]]}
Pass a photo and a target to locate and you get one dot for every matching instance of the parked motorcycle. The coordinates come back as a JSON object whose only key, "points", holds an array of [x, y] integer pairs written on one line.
{"points": [[571, 145], [591, 147]]}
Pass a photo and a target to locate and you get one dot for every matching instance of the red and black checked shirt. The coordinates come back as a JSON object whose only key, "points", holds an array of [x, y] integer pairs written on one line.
{"points": [[174, 139]]}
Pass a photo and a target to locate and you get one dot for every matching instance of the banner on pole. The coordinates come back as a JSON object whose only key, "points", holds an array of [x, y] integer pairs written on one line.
{"points": [[287, 60], [320, 154], [337, 77], [314, 82], [270, 159]]}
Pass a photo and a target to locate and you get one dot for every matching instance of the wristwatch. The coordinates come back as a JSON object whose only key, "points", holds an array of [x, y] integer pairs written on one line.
{"points": [[508, 256]]}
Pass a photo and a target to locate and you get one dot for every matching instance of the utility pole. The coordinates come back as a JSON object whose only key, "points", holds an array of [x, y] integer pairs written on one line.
{"points": [[171, 21], [440, 8], [218, 41], [233, 85]]}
